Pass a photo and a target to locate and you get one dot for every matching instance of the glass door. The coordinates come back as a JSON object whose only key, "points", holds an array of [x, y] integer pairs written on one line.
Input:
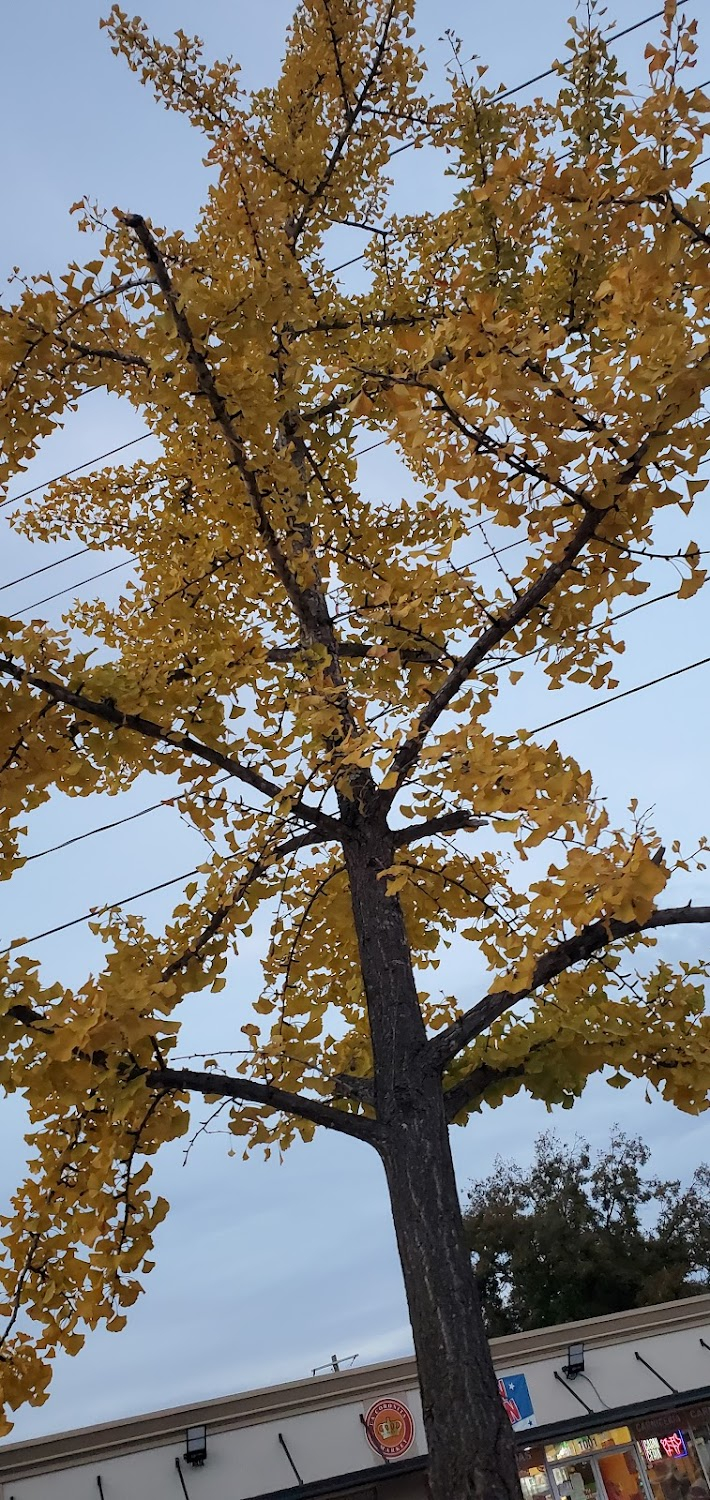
{"points": [[621, 1475], [578, 1479], [604, 1476]]}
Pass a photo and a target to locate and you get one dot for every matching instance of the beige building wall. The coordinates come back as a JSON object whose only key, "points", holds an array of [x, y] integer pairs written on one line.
{"points": [[320, 1419]]}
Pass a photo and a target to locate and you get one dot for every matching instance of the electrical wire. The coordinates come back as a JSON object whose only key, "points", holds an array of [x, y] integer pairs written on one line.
{"points": [[90, 833], [99, 911], [550, 72], [519, 87], [71, 587], [163, 885], [506, 94], [142, 812], [122, 447], [616, 697], [78, 838], [12, 499], [12, 583], [83, 551]]}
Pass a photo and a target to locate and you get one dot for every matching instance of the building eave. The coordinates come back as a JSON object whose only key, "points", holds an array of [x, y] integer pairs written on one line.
{"points": [[108, 1440]]}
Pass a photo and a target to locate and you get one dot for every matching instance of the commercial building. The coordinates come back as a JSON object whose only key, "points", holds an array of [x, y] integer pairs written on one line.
{"points": [[614, 1408]]}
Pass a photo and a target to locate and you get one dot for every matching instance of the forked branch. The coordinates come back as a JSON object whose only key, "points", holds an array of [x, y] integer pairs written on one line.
{"points": [[208, 388], [579, 948], [108, 712]]}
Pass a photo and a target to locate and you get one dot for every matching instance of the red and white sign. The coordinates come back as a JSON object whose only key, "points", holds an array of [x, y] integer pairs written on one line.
{"points": [[389, 1426]]}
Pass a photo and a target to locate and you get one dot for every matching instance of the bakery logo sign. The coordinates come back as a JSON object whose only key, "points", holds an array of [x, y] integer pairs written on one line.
{"points": [[389, 1427]]}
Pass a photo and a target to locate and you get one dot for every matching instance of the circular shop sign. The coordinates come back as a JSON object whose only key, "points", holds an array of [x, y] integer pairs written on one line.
{"points": [[389, 1426]]}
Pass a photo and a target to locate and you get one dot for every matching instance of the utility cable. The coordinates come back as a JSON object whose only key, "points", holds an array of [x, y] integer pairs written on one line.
{"points": [[12, 582], [78, 838], [142, 812], [616, 697], [71, 587], [83, 551], [12, 499], [92, 916], [90, 833], [99, 911], [550, 72], [506, 94]]}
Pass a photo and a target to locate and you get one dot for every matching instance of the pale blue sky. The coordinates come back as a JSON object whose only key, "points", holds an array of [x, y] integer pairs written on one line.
{"points": [[265, 1270]]}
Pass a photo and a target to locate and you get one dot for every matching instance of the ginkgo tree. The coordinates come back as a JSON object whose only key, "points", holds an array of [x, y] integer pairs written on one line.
{"points": [[317, 666]]}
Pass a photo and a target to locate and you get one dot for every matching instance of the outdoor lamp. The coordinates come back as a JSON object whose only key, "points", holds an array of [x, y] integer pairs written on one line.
{"points": [[195, 1445], [575, 1360]]}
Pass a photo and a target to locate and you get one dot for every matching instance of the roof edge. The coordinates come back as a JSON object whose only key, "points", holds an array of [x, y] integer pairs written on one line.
{"points": [[296, 1397]]}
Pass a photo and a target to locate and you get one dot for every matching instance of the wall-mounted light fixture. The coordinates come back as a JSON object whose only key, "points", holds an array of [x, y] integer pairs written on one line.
{"points": [[195, 1445], [575, 1361]]}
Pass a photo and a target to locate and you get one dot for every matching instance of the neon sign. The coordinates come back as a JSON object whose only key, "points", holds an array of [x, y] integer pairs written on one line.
{"points": [[671, 1446]]}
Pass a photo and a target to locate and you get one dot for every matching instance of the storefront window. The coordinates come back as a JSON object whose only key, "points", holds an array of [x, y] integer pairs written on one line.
{"points": [[593, 1442], [620, 1475], [534, 1480], [701, 1438], [577, 1480], [673, 1467]]}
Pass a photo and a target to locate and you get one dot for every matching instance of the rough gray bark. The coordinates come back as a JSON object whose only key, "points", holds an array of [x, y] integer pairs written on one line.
{"points": [[470, 1440]]}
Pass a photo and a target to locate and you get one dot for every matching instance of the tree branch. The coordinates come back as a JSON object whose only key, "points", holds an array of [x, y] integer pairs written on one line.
{"points": [[347, 1086], [208, 388], [701, 236], [267, 1096], [576, 949], [408, 753], [352, 115], [361, 651], [471, 1089], [258, 868], [107, 711], [118, 356], [448, 823]]}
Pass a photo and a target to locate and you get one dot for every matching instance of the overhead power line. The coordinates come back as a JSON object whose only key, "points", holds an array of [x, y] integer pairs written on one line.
{"points": [[88, 464], [35, 572], [163, 885], [506, 94], [99, 911], [616, 697], [518, 89], [170, 801], [90, 833], [12, 499], [615, 36], [71, 587], [84, 551], [152, 807], [526, 84]]}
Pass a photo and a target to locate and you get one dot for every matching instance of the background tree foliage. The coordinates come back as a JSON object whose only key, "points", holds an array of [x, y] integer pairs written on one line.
{"points": [[577, 1235], [316, 667]]}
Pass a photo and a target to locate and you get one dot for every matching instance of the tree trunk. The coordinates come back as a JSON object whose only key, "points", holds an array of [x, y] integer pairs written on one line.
{"points": [[470, 1441]]}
